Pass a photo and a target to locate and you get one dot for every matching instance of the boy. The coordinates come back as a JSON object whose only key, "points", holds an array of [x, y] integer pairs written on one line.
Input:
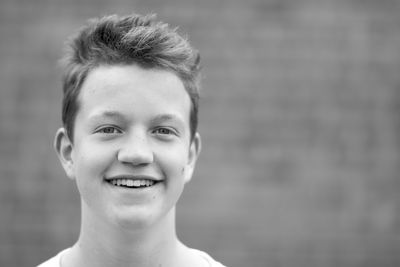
{"points": [[129, 141]]}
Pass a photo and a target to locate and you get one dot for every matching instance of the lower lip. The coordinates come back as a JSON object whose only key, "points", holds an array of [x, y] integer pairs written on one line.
{"points": [[134, 189]]}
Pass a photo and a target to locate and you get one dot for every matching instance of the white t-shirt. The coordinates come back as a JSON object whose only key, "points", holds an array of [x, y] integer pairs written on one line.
{"points": [[55, 261]]}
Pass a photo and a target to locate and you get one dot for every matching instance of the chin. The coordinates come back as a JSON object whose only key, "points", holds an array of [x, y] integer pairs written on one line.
{"points": [[136, 219], [133, 225]]}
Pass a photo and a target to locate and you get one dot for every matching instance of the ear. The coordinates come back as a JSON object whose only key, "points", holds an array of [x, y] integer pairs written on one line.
{"points": [[64, 148], [194, 151]]}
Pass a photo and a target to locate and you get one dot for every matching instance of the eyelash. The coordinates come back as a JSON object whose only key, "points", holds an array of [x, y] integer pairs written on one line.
{"points": [[169, 131], [103, 130], [114, 130]]}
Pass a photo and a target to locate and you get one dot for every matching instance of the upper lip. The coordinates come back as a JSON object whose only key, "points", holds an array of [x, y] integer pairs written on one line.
{"points": [[134, 177]]}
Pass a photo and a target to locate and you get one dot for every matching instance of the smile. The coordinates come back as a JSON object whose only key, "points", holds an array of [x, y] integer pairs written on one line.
{"points": [[131, 183]]}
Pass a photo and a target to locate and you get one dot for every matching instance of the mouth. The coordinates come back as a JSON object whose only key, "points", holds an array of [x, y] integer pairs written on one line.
{"points": [[132, 182]]}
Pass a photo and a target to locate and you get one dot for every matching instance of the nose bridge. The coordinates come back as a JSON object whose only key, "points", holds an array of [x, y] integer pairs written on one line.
{"points": [[136, 149]]}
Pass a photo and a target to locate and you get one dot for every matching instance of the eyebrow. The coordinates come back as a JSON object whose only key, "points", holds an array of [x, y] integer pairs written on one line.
{"points": [[118, 115], [107, 114], [166, 117]]}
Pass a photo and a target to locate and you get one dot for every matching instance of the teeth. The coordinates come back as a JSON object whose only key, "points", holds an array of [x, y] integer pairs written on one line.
{"points": [[132, 183]]}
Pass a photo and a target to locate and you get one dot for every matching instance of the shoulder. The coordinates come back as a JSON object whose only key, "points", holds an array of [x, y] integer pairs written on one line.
{"points": [[208, 258], [55, 261]]}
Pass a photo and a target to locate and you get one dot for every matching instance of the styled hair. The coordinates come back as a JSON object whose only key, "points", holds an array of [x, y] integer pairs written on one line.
{"points": [[125, 40]]}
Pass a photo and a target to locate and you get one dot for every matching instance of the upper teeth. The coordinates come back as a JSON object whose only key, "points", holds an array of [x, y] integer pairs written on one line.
{"points": [[132, 183]]}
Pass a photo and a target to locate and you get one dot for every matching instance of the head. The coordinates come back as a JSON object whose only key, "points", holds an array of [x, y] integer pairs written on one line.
{"points": [[130, 116], [128, 40]]}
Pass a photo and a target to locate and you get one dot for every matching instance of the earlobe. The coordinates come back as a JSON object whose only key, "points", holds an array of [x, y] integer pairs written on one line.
{"points": [[64, 148], [194, 151]]}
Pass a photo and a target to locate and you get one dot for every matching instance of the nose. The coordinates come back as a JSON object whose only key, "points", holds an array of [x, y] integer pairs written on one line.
{"points": [[136, 150]]}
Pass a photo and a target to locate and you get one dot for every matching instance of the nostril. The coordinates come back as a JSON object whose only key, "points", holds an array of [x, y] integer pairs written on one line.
{"points": [[136, 148], [135, 156]]}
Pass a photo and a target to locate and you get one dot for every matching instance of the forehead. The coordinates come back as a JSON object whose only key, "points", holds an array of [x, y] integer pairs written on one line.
{"points": [[133, 89]]}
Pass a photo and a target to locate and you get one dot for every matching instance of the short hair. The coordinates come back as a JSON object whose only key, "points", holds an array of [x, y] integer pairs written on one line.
{"points": [[120, 40]]}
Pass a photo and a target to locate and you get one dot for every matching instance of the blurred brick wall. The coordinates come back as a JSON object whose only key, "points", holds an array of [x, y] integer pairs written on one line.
{"points": [[299, 119]]}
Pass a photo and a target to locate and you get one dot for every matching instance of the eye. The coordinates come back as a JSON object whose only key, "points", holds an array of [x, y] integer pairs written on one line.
{"points": [[108, 130], [164, 131]]}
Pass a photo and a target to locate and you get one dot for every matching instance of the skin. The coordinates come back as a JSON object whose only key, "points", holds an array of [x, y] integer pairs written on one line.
{"points": [[131, 122]]}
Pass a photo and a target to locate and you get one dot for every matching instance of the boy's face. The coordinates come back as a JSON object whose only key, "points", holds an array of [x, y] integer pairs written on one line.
{"points": [[132, 152]]}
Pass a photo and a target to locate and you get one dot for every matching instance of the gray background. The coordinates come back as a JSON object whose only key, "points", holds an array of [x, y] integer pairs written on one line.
{"points": [[299, 118]]}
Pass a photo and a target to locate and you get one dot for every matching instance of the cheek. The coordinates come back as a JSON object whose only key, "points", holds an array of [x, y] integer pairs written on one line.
{"points": [[92, 161], [174, 162], [90, 165]]}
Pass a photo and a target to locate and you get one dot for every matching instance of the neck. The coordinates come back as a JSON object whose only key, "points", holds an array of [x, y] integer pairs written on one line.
{"points": [[110, 244]]}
